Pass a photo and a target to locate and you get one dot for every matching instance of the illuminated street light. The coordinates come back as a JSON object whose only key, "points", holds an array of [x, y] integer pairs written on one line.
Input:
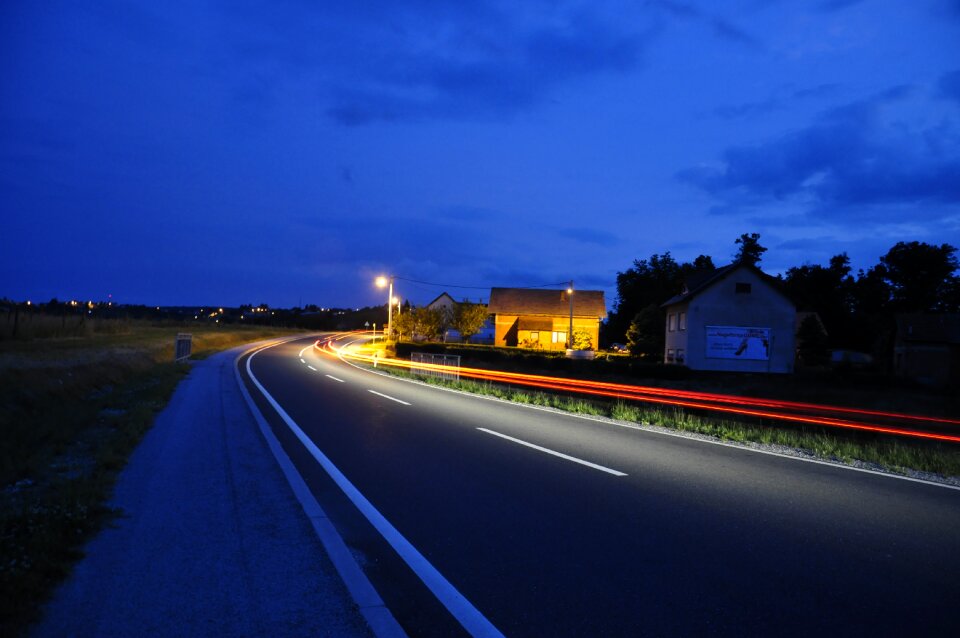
{"points": [[381, 282]]}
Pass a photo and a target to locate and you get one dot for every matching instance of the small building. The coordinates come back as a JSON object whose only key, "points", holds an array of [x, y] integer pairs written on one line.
{"points": [[534, 318], [926, 348], [734, 318]]}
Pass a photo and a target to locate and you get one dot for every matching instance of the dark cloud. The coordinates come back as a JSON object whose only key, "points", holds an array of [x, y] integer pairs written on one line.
{"points": [[593, 236], [949, 86], [778, 102], [485, 80], [836, 5], [720, 26], [845, 162]]}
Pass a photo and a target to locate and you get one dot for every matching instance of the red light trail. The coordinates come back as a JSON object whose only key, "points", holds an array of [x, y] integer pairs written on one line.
{"points": [[790, 411]]}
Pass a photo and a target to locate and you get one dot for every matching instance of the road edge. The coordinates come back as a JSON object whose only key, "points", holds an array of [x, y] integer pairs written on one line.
{"points": [[379, 618]]}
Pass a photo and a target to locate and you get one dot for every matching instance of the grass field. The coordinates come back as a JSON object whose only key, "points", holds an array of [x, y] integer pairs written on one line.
{"points": [[71, 412]]}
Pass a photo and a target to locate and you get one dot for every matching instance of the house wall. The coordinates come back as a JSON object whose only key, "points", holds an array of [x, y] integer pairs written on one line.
{"points": [[508, 333], [720, 305]]}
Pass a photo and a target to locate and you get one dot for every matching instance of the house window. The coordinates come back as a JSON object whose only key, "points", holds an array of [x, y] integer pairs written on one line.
{"points": [[743, 289], [679, 355], [671, 322], [670, 355], [534, 336], [558, 337], [682, 321]]}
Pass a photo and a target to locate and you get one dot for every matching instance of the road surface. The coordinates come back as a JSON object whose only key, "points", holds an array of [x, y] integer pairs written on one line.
{"points": [[551, 525]]}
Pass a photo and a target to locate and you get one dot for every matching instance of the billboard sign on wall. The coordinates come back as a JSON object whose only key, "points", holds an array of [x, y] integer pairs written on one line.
{"points": [[736, 342]]}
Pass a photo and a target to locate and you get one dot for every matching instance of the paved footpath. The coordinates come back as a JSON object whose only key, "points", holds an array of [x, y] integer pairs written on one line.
{"points": [[212, 541]]}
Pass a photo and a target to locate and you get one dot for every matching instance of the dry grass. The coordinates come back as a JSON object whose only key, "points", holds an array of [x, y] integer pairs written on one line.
{"points": [[71, 412]]}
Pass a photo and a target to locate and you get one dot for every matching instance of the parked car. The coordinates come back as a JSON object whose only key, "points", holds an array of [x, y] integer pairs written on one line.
{"points": [[618, 347]]}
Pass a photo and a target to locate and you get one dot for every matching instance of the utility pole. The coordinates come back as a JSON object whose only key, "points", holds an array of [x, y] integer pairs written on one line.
{"points": [[570, 331]]}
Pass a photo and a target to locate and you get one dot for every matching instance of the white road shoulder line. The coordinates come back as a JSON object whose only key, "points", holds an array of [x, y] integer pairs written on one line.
{"points": [[330, 376], [470, 617], [555, 453], [387, 396]]}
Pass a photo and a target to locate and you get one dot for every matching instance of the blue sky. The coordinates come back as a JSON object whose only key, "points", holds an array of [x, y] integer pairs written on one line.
{"points": [[285, 152]]}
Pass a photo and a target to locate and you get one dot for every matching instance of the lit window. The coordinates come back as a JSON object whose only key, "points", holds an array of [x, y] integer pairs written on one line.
{"points": [[534, 336], [558, 337]]}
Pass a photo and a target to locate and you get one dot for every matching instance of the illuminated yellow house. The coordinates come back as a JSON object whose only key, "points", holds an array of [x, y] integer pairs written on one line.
{"points": [[541, 318]]}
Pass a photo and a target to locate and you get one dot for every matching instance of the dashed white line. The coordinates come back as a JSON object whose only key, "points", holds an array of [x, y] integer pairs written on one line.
{"points": [[387, 396], [330, 376], [555, 453], [312, 368], [302, 360]]}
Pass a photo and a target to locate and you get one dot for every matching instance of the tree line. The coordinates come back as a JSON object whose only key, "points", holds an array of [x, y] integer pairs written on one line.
{"points": [[856, 310]]}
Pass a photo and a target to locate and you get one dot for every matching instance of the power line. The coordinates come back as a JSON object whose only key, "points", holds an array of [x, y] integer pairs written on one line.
{"points": [[428, 283]]}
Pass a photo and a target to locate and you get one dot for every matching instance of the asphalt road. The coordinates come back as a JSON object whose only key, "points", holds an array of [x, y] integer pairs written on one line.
{"points": [[638, 533]]}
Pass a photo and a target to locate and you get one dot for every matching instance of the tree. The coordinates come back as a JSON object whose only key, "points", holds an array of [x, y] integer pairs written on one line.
{"points": [[750, 251], [645, 335], [403, 324], [812, 343], [827, 291], [649, 282], [468, 318], [582, 339], [922, 277], [428, 322]]}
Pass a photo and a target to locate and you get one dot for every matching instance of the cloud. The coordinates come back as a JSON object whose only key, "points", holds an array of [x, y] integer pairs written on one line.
{"points": [[949, 86], [778, 102], [837, 5], [474, 78], [721, 27], [846, 165]]}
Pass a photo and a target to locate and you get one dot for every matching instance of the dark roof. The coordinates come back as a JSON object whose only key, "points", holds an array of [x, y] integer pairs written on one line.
{"points": [[700, 281], [942, 328], [551, 303], [441, 296]]}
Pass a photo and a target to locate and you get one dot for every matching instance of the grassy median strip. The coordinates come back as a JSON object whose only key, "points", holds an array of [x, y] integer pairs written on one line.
{"points": [[864, 450], [72, 412]]}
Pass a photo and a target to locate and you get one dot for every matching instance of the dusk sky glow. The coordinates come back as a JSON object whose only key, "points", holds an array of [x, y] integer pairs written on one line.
{"points": [[181, 153]]}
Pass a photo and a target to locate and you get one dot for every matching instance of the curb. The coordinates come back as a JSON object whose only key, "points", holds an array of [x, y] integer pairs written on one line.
{"points": [[379, 618]]}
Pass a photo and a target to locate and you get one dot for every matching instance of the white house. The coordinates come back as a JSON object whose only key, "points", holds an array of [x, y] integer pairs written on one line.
{"points": [[447, 304], [734, 318]]}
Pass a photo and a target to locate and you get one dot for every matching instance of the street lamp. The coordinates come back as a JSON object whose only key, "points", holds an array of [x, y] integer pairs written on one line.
{"points": [[381, 282], [570, 331]]}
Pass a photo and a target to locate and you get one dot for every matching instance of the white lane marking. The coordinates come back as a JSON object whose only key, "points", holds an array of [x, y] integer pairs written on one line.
{"points": [[462, 609], [330, 376], [555, 453], [302, 360], [304, 350], [387, 396], [312, 368]]}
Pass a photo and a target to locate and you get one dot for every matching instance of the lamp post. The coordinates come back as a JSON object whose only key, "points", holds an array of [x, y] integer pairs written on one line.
{"points": [[570, 331], [381, 282]]}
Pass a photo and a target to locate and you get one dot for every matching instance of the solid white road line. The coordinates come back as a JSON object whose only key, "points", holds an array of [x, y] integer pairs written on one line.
{"points": [[555, 453], [387, 396], [330, 376], [462, 609]]}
